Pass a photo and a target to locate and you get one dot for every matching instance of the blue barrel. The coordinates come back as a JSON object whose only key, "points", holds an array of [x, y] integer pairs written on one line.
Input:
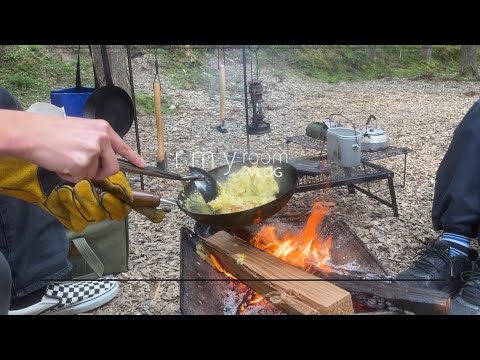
{"points": [[71, 99]]}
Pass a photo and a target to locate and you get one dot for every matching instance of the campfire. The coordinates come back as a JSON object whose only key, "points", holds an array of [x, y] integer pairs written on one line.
{"points": [[307, 249], [305, 264]]}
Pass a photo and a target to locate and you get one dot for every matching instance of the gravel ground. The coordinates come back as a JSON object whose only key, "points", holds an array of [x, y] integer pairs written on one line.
{"points": [[419, 114]]}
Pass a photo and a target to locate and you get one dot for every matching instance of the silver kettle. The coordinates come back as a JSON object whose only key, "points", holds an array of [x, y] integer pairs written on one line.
{"points": [[374, 138]]}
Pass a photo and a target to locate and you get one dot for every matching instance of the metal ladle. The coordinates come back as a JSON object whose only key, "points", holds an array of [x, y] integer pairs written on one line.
{"points": [[207, 186]]}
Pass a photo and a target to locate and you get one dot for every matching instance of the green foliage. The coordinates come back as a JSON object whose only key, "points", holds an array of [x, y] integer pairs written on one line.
{"points": [[347, 63], [183, 64], [31, 72], [145, 103]]}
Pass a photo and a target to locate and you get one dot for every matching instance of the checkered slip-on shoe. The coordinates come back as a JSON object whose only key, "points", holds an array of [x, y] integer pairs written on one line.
{"points": [[70, 298]]}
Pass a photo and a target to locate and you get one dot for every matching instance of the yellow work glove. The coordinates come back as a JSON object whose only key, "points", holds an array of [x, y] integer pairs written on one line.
{"points": [[75, 205]]}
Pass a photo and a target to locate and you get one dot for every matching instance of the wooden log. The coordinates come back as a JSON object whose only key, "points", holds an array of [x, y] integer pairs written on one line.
{"points": [[279, 282]]}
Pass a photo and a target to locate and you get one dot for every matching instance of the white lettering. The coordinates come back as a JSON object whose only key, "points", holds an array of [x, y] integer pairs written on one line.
{"points": [[250, 160], [268, 159], [212, 164], [280, 155], [176, 159], [229, 164], [268, 169]]}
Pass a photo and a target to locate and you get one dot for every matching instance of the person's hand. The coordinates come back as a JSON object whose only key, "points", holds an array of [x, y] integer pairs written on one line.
{"points": [[74, 205], [74, 148]]}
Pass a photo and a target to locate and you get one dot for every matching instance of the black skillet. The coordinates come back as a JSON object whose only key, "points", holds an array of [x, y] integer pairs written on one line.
{"points": [[110, 102]]}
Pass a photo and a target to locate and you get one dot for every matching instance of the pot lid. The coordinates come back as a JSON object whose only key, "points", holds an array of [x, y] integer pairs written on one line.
{"points": [[372, 131]]}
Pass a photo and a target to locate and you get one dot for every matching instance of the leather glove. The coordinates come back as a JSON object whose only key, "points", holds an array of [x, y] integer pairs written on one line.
{"points": [[74, 205]]}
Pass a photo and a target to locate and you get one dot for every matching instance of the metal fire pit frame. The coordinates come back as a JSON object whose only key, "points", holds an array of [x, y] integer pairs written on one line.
{"points": [[203, 289]]}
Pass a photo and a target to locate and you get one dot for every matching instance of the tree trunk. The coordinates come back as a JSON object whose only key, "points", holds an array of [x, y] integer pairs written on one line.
{"points": [[426, 52], [117, 57], [371, 50], [468, 66]]}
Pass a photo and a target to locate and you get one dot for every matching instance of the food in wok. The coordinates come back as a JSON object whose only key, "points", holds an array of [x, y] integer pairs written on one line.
{"points": [[245, 189]]}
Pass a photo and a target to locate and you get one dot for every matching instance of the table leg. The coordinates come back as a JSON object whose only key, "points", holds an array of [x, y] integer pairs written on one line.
{"points": [[392, 195], [351, 189]]}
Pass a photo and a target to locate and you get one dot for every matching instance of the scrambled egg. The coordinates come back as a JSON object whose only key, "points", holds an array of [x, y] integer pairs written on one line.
{"points": [[244, 190]]}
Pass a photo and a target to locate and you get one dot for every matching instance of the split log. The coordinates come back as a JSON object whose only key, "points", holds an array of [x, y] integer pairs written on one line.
{"points": [[279, 282], [389, 296]]}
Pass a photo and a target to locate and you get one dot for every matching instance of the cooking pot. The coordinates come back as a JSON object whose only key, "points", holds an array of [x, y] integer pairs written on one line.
{"points": [[374, 138]]}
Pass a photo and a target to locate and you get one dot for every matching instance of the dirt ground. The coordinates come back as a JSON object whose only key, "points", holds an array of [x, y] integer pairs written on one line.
{"points": [[420, 115]]}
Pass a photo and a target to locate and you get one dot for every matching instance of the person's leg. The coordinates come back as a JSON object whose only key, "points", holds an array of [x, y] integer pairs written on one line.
{"points": [[35, 245], [456, 205], [455, 210], [33, 242], [5, 285]]}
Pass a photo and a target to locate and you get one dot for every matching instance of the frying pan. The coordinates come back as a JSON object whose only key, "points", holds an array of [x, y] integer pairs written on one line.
{"points": [[110, 102], [287, 184]]}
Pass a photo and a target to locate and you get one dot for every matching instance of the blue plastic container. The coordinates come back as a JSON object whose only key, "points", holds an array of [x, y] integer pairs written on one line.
{"points": [[71, 99]]}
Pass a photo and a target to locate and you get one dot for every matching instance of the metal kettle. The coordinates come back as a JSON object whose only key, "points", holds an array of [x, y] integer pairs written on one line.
{"points": [[374, 138]]}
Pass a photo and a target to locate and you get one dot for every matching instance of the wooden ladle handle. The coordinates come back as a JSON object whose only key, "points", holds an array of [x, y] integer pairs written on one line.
{"points": [[145, 199]]}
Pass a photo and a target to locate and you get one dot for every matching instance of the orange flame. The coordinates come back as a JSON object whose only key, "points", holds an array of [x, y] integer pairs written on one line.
{"points": [[307, 249], [220, 268]]}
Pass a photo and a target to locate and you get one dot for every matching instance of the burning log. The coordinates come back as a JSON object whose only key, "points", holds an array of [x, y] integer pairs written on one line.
{"points": [[318, 252], [394, 297], [289, 293]]}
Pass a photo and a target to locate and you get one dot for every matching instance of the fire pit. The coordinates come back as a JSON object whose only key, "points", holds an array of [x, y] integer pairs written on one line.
{"points": [[327, 249]]}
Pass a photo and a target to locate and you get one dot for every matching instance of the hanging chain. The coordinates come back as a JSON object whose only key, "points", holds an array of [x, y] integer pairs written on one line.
{"points": [[254, 50]]}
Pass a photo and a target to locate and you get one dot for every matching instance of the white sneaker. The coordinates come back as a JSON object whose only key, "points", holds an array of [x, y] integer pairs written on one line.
{"points": [[71, 298]]}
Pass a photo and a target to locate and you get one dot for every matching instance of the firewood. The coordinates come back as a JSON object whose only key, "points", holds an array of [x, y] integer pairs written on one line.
{"points": [[279, 282], [381, 295]]}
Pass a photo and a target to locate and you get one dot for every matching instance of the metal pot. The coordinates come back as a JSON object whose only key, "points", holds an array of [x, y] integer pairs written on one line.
{"points": [[374, 138]]}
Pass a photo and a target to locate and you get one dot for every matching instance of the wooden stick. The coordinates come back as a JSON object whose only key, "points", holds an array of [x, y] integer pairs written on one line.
{"points": [[276, 280], [159, 123], [222, 94], [155, 295]]}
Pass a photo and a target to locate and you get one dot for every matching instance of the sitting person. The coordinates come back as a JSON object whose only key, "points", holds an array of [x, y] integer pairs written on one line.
{"points": [[450, 264], [37, 203]]}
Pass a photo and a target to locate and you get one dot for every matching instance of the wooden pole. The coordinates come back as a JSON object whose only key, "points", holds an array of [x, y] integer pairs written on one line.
{"points": [[160, 130], [222, 95]]}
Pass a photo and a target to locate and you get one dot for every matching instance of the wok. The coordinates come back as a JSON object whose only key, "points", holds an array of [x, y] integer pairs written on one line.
{"points": [[287, 181]]}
